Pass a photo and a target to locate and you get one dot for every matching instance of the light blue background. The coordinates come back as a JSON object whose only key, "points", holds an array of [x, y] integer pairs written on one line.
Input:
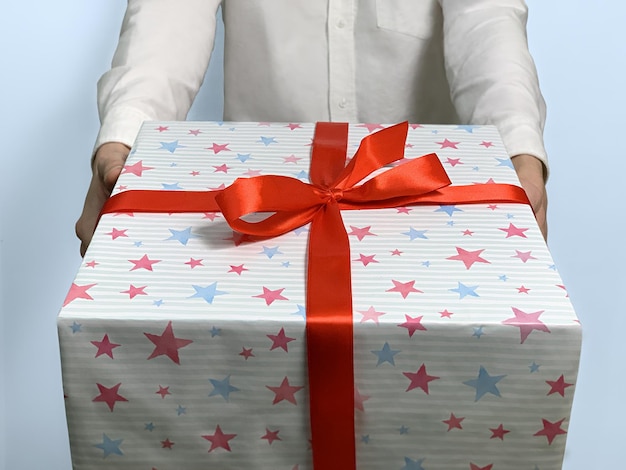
{"points": [[52, 55]]}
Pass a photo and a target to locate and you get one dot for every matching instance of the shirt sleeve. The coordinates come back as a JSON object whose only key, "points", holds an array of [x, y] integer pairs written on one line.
{"points": [[492, 76], [158, 67]]}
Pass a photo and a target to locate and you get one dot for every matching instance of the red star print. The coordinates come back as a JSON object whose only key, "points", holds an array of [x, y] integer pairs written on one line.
{"points": [[293, 126], [163, 391], [550, 430], [486, 144], [115, 233], [194, 262], [473, 466], [558, 386], [78, 292], [136, 169], [403, 210], [454, 161], [143, 263], [237, 269], [166, 344], [419, 379], [271, 295], [221, 168], [219, 440], [285, 392], [453, 422], [161, 128], [361, 233], [271, 436], [167, 444], [448, 144], [91, 264], [468, 257], [109, 395], [359, 399], [371, 127], [526, 322], [291, 159], [405, 288], [280, 340], [370, 314], [366, 259], [217, 148], [513, 231], [396, 252], [445, 314], [134, 291], [195, 131], [105, 346], [413, 324], [246, 353], [499, 432], [523, 290]]}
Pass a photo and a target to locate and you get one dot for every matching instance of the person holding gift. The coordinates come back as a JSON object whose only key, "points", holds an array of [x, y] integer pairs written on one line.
{"points": [[425, 61]]}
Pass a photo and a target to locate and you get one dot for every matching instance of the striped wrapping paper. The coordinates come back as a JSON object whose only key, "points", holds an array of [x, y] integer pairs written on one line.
{"points": [[183, 343]]}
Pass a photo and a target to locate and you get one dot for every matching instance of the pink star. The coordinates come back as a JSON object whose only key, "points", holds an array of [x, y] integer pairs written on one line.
{"points": [[512, 231], [194, 262], [195, 132], [136, 169], [493, 207], [561, 286], [467, 233], [271, 295], [122, 187], [523, 255], [366, 259], [134, 291], [237, 269], [161, 128], [223, 168], [163, 391], [115, 233], [252, 172], [105, 346], [558, 386], [405, 288], [526, 322], [211, 216], [167, 444], [413, 324], [246, 353], [370, 314], [143, 263], [291, 159], [419, 379], [371, 127], [293, 126], [78, 292], [359, 399], [218, 188], [453, 422], [280, 340], [468, 257], [473, 466], [550, 430], [217, 148], [448, 144], [361, 233], [109, 395], [486, 144], [523, 290], [285, 392], [271, 436], [454, 161], [219, 440], [166, 344], [415, 126], [403, 210], [91, 264], [194, 173], [499, 432], [396, 252], [445, 314]]}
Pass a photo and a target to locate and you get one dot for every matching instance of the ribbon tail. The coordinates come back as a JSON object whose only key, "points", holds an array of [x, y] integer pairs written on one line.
{"points": [[330, 342]]}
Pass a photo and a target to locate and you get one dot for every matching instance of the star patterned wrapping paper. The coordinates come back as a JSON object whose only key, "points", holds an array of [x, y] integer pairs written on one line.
{"points": [[183, 343]]}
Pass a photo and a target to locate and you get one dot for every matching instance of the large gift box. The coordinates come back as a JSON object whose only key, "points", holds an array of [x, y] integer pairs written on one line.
{"points": [[189, 345]]}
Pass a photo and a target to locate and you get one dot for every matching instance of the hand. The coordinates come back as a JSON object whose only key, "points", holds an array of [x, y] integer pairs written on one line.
{"points": [[530, 171], [107, 166]]}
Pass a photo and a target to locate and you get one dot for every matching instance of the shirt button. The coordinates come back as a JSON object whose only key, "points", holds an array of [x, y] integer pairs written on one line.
{"points": [[341, 24], [342, 104]]}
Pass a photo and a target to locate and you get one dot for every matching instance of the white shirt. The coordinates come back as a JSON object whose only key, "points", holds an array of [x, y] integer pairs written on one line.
{"points": [[379, 61]]}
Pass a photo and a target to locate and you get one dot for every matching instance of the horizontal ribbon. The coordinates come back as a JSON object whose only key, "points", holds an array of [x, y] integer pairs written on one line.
{"points": [[292, 203]]}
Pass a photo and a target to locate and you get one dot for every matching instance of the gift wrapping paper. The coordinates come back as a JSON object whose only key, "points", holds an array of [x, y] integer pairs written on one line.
{"points": [[183, 342]]}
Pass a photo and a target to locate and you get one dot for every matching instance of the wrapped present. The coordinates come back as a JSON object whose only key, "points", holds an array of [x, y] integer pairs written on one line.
{"points": [[428, 329]]}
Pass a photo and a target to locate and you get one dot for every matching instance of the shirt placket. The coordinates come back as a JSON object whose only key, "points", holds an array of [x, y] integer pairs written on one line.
{"points": [[341, 60]]}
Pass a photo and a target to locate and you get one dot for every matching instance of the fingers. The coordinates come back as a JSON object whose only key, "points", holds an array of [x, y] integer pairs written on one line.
{"points": [[107, 166], [530, 171]]}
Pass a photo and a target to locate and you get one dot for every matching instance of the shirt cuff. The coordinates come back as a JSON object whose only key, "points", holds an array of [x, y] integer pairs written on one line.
{"points": [[120, 125], [524, 138]]}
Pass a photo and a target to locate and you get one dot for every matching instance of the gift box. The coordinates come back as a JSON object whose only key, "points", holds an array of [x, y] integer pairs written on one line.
{"points": [[184, 342]]}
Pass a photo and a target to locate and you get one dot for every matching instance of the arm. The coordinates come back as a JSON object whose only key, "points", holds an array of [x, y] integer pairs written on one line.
{"points": [[493, 80], [159, 64]]}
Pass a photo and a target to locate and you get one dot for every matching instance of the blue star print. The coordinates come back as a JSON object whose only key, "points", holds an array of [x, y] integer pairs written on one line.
{"points": [[410, 464], [485, 383], [243, 157], [464, 290], [207, 293], [268, 140], [505, 162], [413, 234], [222, 387], [76, 327], [271, 251], [171, 186], [448, 210], [110, 446], [386, 354], [170, 146], [182, 236]]}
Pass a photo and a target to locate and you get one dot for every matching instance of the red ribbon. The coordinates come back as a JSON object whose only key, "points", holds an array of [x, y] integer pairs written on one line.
{"points": [[334, 187]]}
